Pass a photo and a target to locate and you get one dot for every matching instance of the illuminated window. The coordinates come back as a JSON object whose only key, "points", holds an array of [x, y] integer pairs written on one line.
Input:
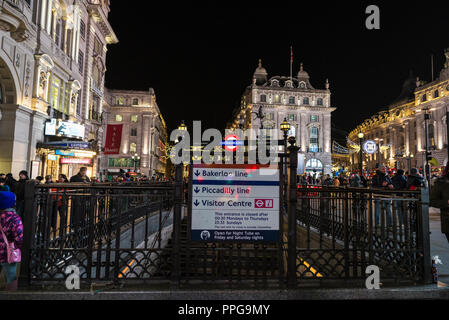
{"points": [[118, 118], [134, 118], [56, 85], [314, 135], [291, 100], [277, 99], [120, 101], [133, 148]]}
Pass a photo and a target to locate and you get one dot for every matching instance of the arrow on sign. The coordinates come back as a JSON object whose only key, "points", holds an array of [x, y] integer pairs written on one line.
{"points": [[196, 203], [197, 190], [197, 173]]}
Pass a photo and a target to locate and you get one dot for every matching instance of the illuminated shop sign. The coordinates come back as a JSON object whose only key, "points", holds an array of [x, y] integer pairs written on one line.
{"points": [[64, 129], [65, 153], [76, 161]]}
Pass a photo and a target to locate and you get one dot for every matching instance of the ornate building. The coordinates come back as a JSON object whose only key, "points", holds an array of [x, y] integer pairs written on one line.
{"points": [[400, 129], [308, 110], [52, 66], [144, 134]]}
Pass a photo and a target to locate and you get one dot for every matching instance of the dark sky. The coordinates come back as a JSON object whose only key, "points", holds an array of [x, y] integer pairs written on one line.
{"points": [[199, 57]]}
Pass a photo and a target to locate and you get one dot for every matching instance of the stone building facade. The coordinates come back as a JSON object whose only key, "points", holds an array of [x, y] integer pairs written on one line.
{"points": [[400, 129], [308, 110], [52, 66], [144, 133]]}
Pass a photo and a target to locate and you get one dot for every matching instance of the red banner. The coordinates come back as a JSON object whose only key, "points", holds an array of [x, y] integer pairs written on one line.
{"points": [[113, 139]]}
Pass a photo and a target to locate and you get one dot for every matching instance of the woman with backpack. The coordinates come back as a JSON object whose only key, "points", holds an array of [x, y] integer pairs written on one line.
{"points": [[11, 239]]}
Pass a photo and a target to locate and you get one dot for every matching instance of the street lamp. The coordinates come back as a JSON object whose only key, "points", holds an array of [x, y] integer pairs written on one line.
{"points": [[361, 136], [426, 125], [285, 128], [182, 126], [135, 158]]}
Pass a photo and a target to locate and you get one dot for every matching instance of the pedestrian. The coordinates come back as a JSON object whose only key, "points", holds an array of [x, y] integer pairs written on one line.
{"points": [[3, 185], [11, 230], [39, 180], [10, 182], [81, 177], [62, 178], [19, 190], [355, 181], [439, 198], [2, 176], [400, 183], [49, 180], [414, 181], [381, 180], [336, 182], [327, 181]]}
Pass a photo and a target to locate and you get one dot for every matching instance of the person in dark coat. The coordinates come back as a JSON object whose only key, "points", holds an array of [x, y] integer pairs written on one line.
{"points": [[415, 181], [81, 177], [400, 183], [19, 190], [381, 180], [439, 198]]}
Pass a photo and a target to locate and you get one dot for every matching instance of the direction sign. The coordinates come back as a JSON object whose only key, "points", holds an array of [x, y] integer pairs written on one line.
{"points": [[238, 203]]}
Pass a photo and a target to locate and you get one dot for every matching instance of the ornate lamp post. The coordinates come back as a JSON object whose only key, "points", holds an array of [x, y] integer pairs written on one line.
{"points": [[428, 154], [361, 136], [182, 126], [285, 128], [135, 158]]}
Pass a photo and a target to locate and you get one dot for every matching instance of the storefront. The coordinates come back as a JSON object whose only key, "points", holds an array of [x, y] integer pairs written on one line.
{"points": [[65, 152]]}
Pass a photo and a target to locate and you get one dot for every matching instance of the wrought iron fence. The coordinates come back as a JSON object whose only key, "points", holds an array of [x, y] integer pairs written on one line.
{"points": [[108, 232], [342, 231]]}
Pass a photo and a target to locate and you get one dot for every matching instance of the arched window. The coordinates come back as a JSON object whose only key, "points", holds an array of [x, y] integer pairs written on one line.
{"points": [[314, 165], [314, 139]]}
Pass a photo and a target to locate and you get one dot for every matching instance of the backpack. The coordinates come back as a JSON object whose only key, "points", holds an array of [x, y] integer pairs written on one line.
{"points": [[13, 255]]}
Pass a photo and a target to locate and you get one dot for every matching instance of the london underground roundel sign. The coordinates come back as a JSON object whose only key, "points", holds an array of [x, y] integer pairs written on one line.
{"points": [[370, 147], [232, 143]]}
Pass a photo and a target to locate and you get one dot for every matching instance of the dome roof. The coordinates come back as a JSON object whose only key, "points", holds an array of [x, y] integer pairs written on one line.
{"points": [[260, 74], [303, 75]]}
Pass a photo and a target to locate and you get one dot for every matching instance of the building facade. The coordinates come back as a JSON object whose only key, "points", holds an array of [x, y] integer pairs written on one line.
{"points": [[400, 130], [308, 111], [144, 134], [52, 65]]}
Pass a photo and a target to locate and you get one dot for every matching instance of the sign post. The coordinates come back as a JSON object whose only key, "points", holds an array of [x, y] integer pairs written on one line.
{"points": [[235, 203]]}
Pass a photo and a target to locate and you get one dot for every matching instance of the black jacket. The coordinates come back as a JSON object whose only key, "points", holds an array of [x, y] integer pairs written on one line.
{"points": [[399, 182], [414, 181], [79, 179], [378, 180], [19, 189]]}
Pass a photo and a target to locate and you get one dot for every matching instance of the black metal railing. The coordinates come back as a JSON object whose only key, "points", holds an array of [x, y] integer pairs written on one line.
{"points": [[342, 231], [110, 232]]}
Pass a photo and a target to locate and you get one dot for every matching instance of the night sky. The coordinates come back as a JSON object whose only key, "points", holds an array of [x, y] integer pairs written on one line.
{"points": [[199, 58]]}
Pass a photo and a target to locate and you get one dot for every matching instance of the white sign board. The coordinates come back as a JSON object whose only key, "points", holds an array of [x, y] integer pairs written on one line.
{"points": [[238, 203]]}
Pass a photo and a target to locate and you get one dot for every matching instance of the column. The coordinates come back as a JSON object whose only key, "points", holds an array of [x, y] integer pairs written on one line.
{"points": [[407, 138], [49, 16], [303, 142]]}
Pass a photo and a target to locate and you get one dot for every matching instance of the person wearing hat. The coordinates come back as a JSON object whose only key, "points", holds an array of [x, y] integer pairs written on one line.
{"points": [[12, 228], [381, 180], [439, 198]]}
